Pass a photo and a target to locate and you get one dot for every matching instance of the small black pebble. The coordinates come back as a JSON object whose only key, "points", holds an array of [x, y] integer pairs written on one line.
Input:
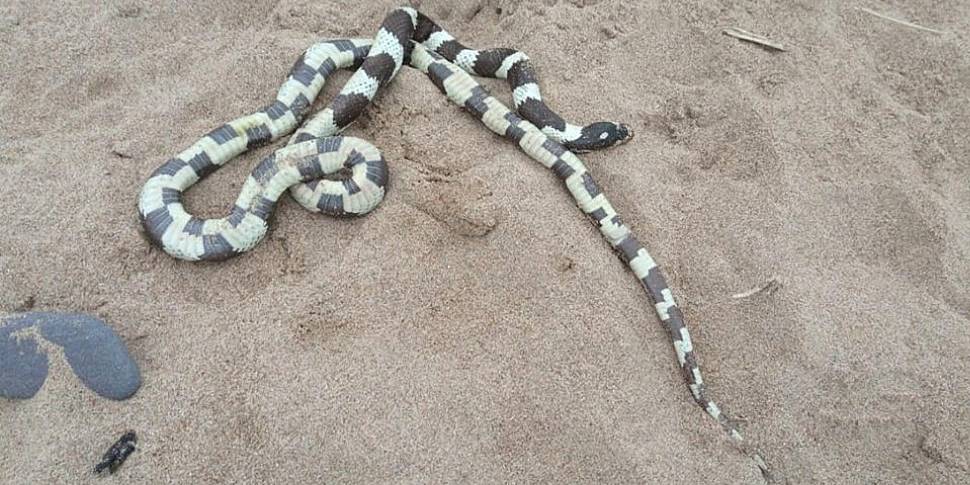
{"points": [[118, 453]]}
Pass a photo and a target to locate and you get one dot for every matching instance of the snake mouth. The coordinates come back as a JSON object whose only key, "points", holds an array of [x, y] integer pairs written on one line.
{"points": [[624, 128]]}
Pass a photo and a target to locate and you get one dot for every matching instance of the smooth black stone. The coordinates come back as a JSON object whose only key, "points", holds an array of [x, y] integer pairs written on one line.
{"points": [[94, 351]]}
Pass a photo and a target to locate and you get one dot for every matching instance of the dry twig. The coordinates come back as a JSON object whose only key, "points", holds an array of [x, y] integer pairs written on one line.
{"points": [[771, 286], [754, 38], [900, 22]]}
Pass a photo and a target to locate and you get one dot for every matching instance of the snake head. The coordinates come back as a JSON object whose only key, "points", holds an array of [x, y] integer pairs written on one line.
{"points": [[599, 135]]}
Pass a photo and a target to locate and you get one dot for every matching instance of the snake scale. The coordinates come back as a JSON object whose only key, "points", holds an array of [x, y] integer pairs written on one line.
{"points": [[314, 153]]}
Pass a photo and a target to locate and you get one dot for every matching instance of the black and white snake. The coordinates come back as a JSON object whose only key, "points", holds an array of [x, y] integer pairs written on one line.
{"points": [[313, 152]]}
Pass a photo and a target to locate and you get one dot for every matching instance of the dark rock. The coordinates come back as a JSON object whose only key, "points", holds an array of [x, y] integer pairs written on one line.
{"points": [[95, 353], [23, 367]]}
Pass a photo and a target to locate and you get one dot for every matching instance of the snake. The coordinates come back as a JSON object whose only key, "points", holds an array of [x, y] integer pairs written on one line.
{"points": [[313, 152], [312, 162]]}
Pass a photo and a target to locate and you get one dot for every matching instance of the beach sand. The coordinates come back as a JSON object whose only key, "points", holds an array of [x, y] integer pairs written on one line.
{"points": [[476, 328]]}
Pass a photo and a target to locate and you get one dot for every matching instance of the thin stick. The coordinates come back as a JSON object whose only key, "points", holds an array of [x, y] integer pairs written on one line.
{"points": [[900, 22], [754, 38], [771, 285]]}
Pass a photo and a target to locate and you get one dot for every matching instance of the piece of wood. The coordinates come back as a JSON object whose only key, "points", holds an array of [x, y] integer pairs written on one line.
{"points": [[900, 22], [754, 38]]}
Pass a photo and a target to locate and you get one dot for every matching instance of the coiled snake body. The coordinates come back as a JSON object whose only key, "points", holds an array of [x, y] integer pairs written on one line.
{"points": [[313, 152]]}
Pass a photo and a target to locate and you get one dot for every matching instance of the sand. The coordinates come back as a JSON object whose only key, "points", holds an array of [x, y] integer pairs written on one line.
{"points": [[475, 328]]}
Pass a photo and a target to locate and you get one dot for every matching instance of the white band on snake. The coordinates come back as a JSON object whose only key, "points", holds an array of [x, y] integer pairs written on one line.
{"points": [[313, 152]]}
